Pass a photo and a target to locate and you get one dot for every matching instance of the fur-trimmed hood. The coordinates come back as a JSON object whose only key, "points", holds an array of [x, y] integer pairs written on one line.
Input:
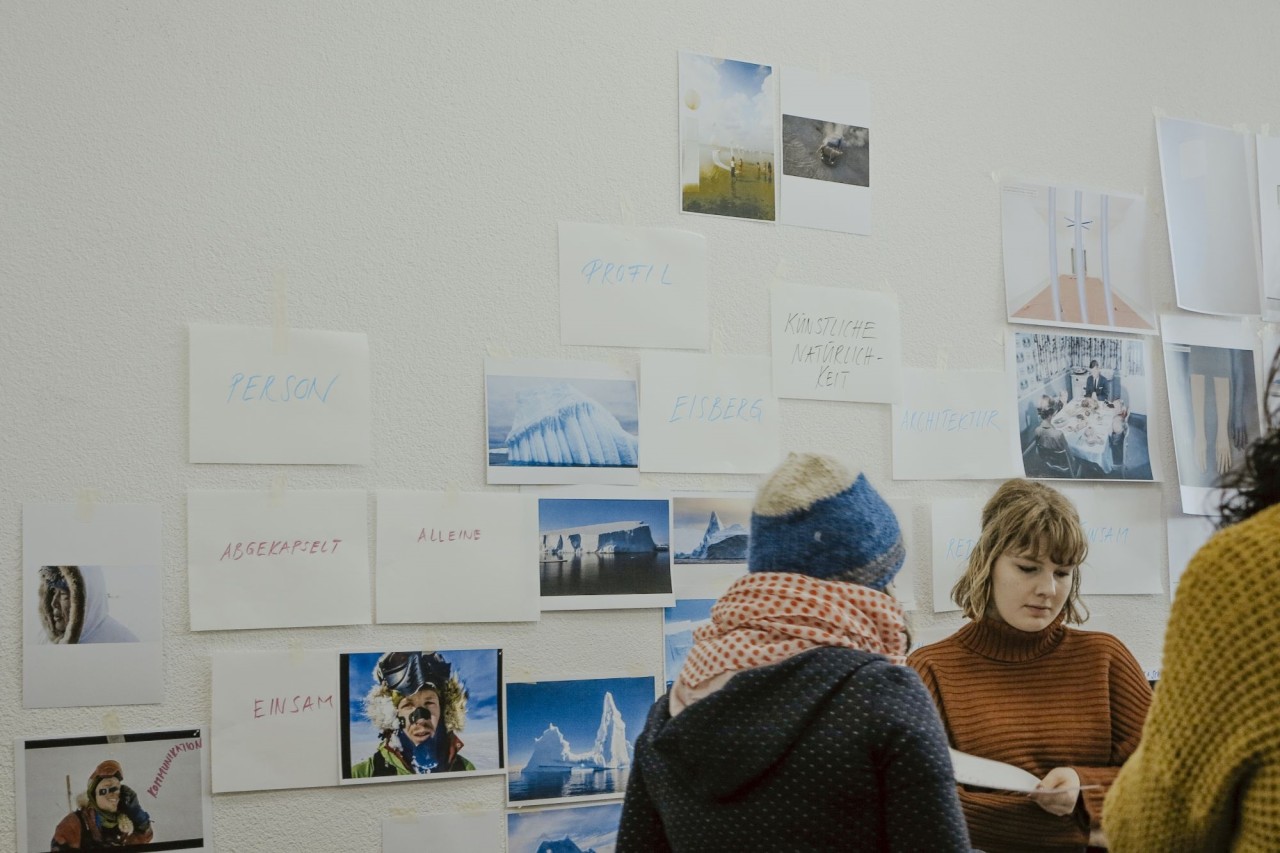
{"points": [[380, 706], [88, 620]]}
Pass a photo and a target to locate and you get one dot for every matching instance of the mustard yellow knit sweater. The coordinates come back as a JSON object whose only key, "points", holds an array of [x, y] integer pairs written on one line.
{"points": [[1206, 775]]}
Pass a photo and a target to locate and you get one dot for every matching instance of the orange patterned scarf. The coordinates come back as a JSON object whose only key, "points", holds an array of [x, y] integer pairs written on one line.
{"points": [[766, 617]]}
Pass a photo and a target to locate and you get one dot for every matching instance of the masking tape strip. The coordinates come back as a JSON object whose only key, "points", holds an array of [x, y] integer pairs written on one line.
{"points": [[719, 49], [626, 210], [498, 351], [451, 492], [944, 360], [111, 725], [278, 486], [717, 343], [780, 272], [1265, 130], [296, 652], [402, 815], [1241, 127], [86, 501], [280, 335]]}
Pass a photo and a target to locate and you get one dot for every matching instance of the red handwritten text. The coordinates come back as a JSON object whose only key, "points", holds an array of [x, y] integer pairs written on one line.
{"points": [[278, 548], [277, 705], [433, 535], [185, 746]]}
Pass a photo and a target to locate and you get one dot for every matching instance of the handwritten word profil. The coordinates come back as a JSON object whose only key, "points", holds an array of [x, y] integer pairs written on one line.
{"points": [[598, 271], [185, 746], [700, 407], [278, 548], [257, 387], [948, 420], [431, 534], [278, 705]]}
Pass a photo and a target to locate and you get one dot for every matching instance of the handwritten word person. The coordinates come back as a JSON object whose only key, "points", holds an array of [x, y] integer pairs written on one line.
{"points": [[418, 705], [1207, 773], [108, 815], [792, 724], [1017, 685]]}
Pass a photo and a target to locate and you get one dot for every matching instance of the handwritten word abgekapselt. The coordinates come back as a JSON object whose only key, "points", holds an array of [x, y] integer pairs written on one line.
{"points": [[278, 548]]}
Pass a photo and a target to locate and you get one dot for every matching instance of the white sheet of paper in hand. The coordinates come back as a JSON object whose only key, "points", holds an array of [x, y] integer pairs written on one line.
{"points": [[988, 773]]}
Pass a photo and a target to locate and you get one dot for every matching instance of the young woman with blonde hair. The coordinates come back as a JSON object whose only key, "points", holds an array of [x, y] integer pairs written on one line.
{"points": [[1017, 685]]}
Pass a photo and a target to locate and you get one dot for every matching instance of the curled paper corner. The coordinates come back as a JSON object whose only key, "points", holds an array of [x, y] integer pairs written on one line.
{"points": [[625, 210], [280, 326], [111, 725], [296, 652], [279, 484], [86, 501]]}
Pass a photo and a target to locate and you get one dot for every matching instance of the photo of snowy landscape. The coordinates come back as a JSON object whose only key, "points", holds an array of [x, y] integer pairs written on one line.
{"points": [[711, 529], [578, 829], [556, 422], [604, 547], [678, 625], [568, 740]]}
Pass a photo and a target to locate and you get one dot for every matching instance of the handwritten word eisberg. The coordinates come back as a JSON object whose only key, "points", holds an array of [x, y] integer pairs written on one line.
{"points": [[434, 535], [291, 388], [958, 549], [277, 705], [624, 273], [278, 548], [700, 407], [1107, 535], [948, 420], [185, 746]]}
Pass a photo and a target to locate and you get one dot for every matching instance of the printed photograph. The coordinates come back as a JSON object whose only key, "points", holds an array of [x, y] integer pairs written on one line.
{"points": [[603, 548], [420, 715], [132, 790], [561, 423], [1083, 407], [97, 604], [710, 530], [727, 119], [1074, 257], [826, 151], [678, 625], [577, 829], [569, 740]]}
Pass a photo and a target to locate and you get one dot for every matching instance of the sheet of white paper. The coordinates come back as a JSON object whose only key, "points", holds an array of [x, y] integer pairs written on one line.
{"points": [[633, 287], [1269, 223], [298, 397], [275, 720], [904, 585], [832, 343], [707, 413], [604, 548], [955, 425], [443, 833], [1214, 369], [1186, 534], [986, 773], [710, 534], [826, 151], [1210, 189], [956, 524], [261, 560], [471, 550], [167, 769], [112, 553], [561, 422], [1124, 526], [1075, 257]]}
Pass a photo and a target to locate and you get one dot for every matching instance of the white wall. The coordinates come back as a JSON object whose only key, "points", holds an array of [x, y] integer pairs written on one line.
{"points": [[403, 165]]}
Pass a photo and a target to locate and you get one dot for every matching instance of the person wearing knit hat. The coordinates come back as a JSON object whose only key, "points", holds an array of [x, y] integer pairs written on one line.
{"points": [[1207, 773], [109, 815], [1017, 685], [792, 724]]}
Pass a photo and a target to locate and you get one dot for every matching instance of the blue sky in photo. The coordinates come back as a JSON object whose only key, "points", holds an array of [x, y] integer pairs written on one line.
{"points": [[590, 827], [477, 669], [574, 707], [561, 513], [618, 396], [741, 78], [675, 619]]}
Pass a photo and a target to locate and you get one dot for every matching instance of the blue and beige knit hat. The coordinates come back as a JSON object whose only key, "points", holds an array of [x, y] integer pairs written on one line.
{"points": [[814, 517]]}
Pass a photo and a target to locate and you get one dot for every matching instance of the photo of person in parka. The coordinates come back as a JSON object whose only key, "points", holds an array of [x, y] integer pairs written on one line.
{"points": [[418, 705], [73, 607], [109, 815], [793, 724]]}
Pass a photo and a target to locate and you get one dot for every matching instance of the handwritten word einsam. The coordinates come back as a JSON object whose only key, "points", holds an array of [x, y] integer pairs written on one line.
{"points": [[278, 705]]}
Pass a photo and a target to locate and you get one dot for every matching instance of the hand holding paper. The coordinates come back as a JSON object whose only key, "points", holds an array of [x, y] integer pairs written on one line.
{"points": [[986, 773], [1058, 791]]}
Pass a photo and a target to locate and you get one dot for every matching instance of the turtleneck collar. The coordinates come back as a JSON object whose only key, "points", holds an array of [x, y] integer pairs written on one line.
{"points": [[1002, 642]]}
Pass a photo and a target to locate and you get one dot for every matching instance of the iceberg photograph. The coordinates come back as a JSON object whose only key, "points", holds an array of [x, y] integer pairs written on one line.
{"points": [[577, 829], [608, 549], [561, 423], [711, 529], [678, 625], [568, 740]]}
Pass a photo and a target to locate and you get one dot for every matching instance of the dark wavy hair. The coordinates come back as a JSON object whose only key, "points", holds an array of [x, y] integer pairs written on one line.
{"points": [[1254, 485]]}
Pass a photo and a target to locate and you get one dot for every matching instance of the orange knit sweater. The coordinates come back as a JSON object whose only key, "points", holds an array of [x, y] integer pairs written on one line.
{"points": [[1052, 698]]}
